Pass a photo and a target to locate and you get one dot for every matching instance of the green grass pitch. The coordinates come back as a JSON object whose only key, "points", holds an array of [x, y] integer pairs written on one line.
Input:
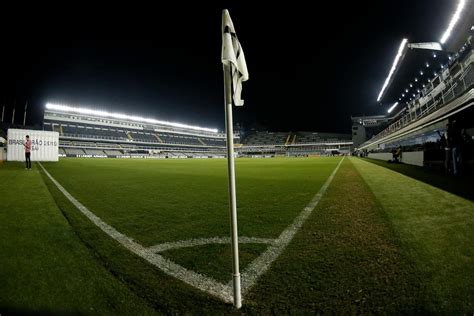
{"points": [[378, 241]]}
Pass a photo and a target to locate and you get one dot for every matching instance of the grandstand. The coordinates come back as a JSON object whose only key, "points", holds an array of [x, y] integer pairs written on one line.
{"points": [[434, 102], [87, 133], [91, 133]]}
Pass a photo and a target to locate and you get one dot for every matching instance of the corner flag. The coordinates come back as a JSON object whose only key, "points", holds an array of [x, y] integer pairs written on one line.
{"points": [[232, 54], [235, 71]]}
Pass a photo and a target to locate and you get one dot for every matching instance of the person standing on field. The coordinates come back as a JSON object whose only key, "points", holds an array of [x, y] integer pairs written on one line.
{"points": [[28, 152]]}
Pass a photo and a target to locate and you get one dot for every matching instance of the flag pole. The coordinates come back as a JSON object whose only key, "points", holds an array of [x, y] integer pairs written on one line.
{"points": [[13, 114], [24, 115], [232, 193]]}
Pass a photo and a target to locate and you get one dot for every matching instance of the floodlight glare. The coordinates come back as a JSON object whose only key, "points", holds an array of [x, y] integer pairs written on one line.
{"points": [[394, 66], [454, 20], [392, 107], [66, 108]]}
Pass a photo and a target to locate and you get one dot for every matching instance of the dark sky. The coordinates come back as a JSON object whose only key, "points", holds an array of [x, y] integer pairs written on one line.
{"points": [[310, 68]]}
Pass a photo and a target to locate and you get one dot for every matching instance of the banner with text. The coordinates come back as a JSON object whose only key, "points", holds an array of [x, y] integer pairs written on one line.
{"points": [[44, 145]]}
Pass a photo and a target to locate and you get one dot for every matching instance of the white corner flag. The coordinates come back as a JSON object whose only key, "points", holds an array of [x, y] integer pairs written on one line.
{"points": [[235, 71], [232, 54]]}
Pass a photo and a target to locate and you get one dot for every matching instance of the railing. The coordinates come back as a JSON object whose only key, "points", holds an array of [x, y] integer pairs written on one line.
{"points": [[454, 88]]}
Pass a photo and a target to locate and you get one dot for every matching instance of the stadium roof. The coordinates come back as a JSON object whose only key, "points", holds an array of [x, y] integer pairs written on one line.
{"points": [[120, 116], [416, 63]]}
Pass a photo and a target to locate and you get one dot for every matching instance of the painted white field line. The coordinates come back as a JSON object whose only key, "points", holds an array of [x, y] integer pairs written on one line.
{"points": [[206, 284], [263, 262], [207, 241]]}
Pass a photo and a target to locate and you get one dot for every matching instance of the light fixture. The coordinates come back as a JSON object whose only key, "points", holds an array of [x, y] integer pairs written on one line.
{"points": [[434, 55], [416, 79], [394, 66], [406, 90], [411, 86], [427, 65], [392, 107], [66, 108], [421, 72], [454, 20], [403, 94]]}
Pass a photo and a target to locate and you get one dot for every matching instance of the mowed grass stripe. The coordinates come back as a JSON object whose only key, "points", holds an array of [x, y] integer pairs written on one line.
{"points": [[345, 259], [44, 267], [436, 230], [155, 201]]}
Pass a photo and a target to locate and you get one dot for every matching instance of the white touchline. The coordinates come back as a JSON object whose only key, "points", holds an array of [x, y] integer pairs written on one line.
{"points": [[263, 262], [222, 291]]}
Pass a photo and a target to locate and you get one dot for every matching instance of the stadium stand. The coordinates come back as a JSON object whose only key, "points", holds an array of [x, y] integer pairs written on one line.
{"points": [[83, 133], [440, 117]]}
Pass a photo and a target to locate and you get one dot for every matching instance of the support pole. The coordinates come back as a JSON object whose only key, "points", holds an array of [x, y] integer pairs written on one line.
{"points": [[232, 193], [24, 115]]}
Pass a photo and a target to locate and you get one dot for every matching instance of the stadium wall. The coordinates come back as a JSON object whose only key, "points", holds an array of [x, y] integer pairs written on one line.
{"points": [[415, 158]]}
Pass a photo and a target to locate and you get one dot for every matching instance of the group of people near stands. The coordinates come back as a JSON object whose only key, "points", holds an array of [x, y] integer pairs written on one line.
{"points": [[456, 143]]}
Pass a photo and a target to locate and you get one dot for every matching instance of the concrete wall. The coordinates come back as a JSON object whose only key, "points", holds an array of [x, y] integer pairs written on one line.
{"points": [[410, 158]]}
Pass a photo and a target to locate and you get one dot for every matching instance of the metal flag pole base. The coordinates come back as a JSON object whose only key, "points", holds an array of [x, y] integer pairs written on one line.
{"points": [[237, 295], [232, 192]]}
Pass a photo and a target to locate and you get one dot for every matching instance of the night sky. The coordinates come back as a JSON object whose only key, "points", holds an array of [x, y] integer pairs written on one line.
{"points": [[305, 73]]}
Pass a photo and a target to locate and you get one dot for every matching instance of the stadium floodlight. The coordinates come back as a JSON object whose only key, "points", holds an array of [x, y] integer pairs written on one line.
{"points": [[403, 94], [406, 90], [427, 65], [392, 107], [416, 79], [411, 85], [454, 20], [67, 108], [394, 67], [421, 72]]}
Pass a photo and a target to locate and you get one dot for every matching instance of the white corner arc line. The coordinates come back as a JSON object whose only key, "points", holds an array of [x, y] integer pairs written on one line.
{"points": [[263, 262], [206, 284], [207, 241], [201, 282]]}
